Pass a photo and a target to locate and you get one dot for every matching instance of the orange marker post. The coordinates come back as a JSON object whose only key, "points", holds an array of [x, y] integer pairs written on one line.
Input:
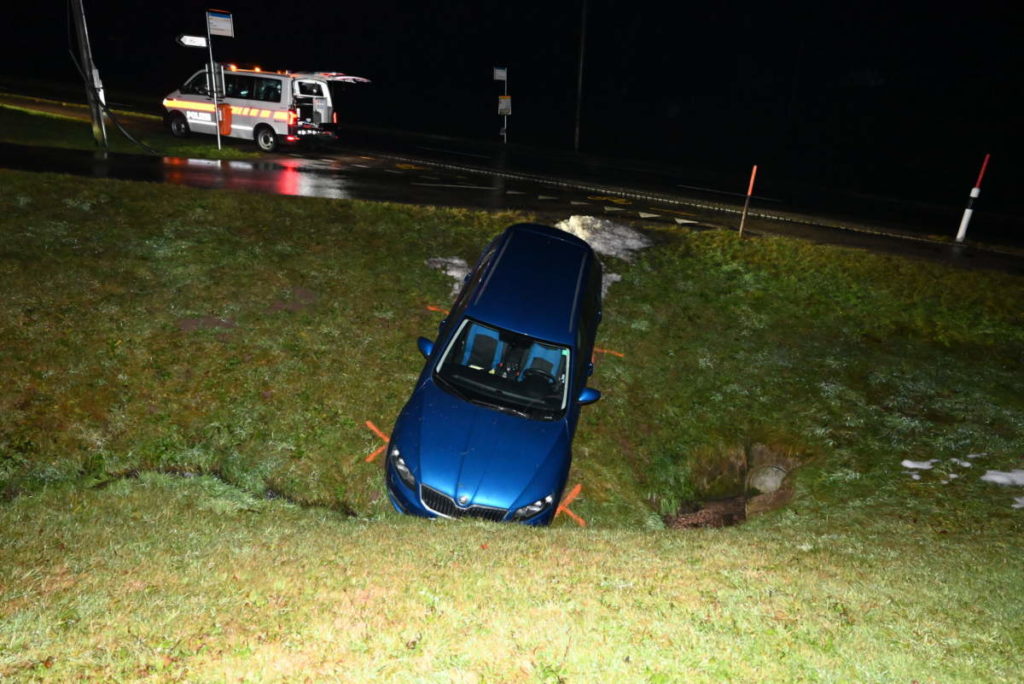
{"points": [[746, 202], [564, 506]]}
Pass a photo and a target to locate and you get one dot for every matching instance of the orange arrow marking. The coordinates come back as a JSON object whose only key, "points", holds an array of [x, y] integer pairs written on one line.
{"points": [[382, 447], [564, 506]]}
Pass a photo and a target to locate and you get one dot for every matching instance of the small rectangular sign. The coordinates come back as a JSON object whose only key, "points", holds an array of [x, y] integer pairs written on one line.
{"points": [[504, 105], [220, 23], [192, 41], [500, 73]]}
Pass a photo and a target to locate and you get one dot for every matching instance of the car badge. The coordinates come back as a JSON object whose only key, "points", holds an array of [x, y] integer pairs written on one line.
{"points": [[463, 500]]}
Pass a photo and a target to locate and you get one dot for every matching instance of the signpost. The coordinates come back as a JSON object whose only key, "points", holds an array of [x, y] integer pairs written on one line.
{"points": [[218, 23], [191, 41], [504, 101]]}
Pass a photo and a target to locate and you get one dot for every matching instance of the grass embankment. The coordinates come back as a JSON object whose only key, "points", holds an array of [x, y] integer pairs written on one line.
{"points": [[150, 328], [58, 124]]}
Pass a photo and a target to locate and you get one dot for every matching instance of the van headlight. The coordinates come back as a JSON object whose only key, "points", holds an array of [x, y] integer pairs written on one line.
{"points": [[404, 473], [534, 509]]}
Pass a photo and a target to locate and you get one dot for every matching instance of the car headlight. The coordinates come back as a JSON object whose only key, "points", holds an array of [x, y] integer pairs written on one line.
{"points": [[395, 457], [530, 510]]}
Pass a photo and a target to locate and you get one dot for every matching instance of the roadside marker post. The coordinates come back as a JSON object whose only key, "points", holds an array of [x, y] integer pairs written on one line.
{"points": [[746, 202], [969, 211]]}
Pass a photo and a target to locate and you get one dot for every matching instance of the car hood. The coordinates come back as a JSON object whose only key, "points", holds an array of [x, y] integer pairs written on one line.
{"points": [[491, 458]]}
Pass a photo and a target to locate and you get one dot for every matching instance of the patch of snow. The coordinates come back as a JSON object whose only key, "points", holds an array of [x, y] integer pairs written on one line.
{"points": [[912, 474], [973, 456], [452, 266], [607, 281], [606, 237], [1014, 477], [919, 465], [1018, 502], [961, 463]]}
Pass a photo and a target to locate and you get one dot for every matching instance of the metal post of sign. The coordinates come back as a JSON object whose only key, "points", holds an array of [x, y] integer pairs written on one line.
{"points": [[579, 76], [504, 101], [212, 78], [91, 76]]}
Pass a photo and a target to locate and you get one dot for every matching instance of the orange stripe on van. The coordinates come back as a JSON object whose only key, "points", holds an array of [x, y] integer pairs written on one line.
{"points": [[185, 104]]}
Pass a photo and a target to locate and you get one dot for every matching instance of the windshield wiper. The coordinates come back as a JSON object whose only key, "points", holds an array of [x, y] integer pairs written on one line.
{"points": [[501, 407], [451, 387]]}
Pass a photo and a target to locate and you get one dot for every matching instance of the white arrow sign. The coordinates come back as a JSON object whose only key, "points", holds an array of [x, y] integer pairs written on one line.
{"points": [[192, 41]]}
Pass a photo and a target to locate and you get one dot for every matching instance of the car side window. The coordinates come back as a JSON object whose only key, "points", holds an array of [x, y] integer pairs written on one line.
{"points": [[474, 278], [196, 85], [239, 86], [268, 90]]}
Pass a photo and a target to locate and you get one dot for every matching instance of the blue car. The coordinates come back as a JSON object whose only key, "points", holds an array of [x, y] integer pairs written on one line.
{"points": [[488, 430]]}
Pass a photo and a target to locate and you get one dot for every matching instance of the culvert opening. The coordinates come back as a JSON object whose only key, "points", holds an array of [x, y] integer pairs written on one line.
{"points": [[736, 483]]}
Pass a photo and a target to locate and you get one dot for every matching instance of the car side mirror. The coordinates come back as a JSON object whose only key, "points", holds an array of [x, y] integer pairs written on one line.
{"points": [[426, 347], [588, 396]]}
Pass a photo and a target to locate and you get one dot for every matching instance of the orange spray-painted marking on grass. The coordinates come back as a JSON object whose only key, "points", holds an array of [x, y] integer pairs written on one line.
{"points": [[564, 506], [382, 447], [431, 307], [610, 351]]}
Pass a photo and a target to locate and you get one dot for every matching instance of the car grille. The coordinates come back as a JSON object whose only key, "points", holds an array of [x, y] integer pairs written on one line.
{"points": [[445, 505]]}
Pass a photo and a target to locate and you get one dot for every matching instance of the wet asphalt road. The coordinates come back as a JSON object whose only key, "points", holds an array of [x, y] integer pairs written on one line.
{"points": [[423, 173]]}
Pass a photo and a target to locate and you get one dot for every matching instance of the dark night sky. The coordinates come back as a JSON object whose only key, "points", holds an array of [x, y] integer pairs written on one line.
{"points": [[860, 95]]}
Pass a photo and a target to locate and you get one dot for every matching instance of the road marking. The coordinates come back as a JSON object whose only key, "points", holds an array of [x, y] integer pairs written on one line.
{"points": [[614, 209], [546, 197], [725, 192], [578, 203], [644, 214], [682, 221], [607, 198], [463, 154], [394, 171], [514, 192], [454, 185]]}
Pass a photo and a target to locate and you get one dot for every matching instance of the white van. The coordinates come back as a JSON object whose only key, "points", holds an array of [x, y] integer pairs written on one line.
{"points": [[270, 107]]}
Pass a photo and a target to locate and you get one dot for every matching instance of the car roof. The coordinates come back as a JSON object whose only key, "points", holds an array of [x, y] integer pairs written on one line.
{"points": [[532, 285]]}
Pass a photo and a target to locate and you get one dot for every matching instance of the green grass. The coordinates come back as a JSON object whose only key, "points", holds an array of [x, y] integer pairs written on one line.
{"points": [[29, 126], [150, 329]]}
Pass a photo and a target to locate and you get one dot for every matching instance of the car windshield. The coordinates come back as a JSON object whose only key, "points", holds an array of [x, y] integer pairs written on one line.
{"points": [[505, 371]]}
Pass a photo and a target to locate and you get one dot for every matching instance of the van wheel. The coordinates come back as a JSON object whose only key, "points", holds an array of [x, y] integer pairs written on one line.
{"points": [[178, 126], [266, 138]]}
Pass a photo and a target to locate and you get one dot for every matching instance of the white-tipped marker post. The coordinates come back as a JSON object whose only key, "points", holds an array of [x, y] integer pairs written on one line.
{"points": [[975, 192]]}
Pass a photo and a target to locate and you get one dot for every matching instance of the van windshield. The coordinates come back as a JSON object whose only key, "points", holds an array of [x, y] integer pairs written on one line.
{"points": [[505, 371]]}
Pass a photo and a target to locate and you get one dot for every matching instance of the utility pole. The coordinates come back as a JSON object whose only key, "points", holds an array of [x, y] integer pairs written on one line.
{"points": [[579, 76], [91, 75]]}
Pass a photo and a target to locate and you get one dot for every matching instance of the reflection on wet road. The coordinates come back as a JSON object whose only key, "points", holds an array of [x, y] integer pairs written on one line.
{"points": [[367, 176]]}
